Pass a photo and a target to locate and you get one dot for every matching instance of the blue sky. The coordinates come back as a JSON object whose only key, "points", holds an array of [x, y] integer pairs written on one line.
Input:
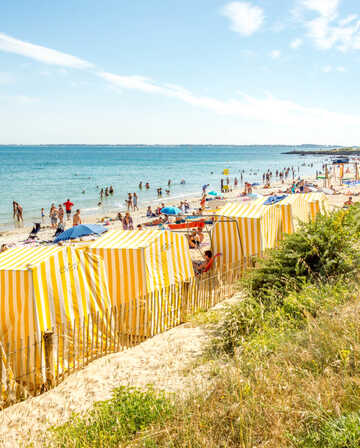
{"points": [[181, 71]]}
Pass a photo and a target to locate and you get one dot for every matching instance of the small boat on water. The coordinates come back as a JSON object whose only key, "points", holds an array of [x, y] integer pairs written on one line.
{"points": [[342, 160]]}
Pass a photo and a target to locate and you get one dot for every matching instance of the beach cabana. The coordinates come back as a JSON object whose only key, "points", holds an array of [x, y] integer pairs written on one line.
{"points": [[293, 209], [246, 229], [139, 262], [44, 288], [316, 203]]}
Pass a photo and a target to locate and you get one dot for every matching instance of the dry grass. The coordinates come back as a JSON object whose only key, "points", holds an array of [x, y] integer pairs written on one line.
{"points": [[276, 396]]}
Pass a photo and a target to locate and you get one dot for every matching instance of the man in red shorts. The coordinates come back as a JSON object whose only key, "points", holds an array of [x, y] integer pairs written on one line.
{"points": [[68, 205]]}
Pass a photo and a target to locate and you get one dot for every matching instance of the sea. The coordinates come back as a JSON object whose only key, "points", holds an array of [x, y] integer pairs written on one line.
{"points": [[37, 176]]}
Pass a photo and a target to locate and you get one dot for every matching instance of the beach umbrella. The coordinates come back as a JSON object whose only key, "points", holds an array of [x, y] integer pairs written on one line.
{"points": [[170, 211], [81, 230], [213, 193]]}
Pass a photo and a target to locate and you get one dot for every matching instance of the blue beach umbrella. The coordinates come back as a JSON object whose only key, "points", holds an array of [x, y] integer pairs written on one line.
{"points": [[213, 193], [81, 230], [170, 211]]}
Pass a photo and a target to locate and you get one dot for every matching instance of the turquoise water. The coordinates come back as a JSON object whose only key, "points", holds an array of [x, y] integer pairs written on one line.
{"points": [[36, 176]]}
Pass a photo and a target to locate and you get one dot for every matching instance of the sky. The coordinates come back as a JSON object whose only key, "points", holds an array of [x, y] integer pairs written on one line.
{"points": [[180, 72]]}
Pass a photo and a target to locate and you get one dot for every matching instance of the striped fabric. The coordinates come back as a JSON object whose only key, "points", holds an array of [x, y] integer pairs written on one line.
{"points": [[47, 287], [246, 229], [138, 262], [293, 209], [317, 203]]}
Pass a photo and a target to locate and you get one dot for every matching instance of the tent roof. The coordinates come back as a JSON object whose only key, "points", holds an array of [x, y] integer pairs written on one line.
{"points": [[290, 199], [20, 258], [252, 209], [127, 239], [314, 196]]}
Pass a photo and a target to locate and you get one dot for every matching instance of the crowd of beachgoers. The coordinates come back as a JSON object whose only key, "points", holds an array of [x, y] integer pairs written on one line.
{"points": [[134, 216]]}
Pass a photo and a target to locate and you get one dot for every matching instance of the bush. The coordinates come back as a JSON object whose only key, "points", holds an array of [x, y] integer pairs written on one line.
{"points": [[320, 250], [252, 320], [117, 420], [341, 432]]}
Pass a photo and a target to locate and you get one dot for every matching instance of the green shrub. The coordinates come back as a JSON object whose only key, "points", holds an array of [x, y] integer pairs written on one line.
{"points": [[341, 432], [111, 422], [319, 250], [254, 321]]}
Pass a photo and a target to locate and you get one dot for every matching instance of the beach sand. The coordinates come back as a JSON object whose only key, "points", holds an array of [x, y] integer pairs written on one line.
{"points": [[18, 236]]}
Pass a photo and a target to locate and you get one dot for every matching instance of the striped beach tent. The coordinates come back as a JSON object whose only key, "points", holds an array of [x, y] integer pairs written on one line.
{"points": [[139, 262], [293, 209], [317, 202], [246, 229], [44, 288]]}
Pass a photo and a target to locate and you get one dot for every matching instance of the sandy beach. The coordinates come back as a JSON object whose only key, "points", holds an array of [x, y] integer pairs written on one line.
{"points": [[18, 236]]}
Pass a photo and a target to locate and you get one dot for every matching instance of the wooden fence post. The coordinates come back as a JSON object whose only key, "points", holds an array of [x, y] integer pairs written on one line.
{"points": [[184, 302], [49, 358]]}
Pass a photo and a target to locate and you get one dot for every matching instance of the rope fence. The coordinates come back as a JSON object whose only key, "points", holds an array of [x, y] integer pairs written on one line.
{"points": [[37, 365]]}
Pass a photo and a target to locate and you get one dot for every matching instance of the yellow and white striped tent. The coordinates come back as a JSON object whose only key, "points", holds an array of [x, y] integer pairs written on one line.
{"points": [[138, 262], [46, 287], [293, 209], [317, 203], [246, 229]]}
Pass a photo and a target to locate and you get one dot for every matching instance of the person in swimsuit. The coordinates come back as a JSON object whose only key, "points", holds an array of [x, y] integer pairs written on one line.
{"points": [[77, 218]]}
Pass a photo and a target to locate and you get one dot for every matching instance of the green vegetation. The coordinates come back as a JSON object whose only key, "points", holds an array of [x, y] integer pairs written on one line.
{"points": [[113, 422], [285, 360]]}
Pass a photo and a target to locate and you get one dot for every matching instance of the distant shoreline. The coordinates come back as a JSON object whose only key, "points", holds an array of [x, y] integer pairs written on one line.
{"points": [[333, 152]]}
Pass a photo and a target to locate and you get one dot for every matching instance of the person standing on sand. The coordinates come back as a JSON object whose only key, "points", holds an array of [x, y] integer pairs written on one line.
{"points": [[42, 216], [77, 218], [53, 215], [61, 214], [134, 201], [68, 206]]}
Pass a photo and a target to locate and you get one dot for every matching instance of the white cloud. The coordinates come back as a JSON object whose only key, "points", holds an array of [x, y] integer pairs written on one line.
{"points": [[39, 53], [327, 30], [326, 8], [244, 17], [296, 43], [330, 68], [327, 69], [275, 54], [268, 109]]}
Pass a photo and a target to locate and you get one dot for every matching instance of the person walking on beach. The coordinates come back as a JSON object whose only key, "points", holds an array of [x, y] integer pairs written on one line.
{"points": [[61, 214], [111, 190], [135, 201], [68, 206], [140, 186], [53, 215], [77, 218]]}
